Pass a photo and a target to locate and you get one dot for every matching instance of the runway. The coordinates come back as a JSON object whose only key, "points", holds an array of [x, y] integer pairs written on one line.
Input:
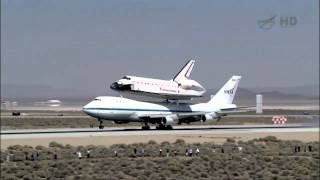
{"points": [[128, 135], [234, 116]]}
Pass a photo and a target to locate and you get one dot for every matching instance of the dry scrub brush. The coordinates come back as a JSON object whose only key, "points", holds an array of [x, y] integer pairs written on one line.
{"points": [[264, 158]]}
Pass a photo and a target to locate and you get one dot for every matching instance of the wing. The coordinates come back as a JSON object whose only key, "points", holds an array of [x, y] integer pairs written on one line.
{"points": [[241, 109], [165, 115], [180, 115]]}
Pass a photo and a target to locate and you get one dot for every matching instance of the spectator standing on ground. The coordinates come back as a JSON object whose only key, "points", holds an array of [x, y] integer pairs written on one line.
{"points": [[32, 157], [135, 151], [190, 152], [142, 152], [55, 156], [88, 154], [197, 151], [160, 152], [37, 155], [79, 154], [175, 152], [167, 152], [187, 152], [115, 153]]}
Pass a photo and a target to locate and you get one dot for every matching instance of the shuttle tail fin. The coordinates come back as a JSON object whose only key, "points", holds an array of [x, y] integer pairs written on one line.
{"points": [[226, 94], [185, 72]]}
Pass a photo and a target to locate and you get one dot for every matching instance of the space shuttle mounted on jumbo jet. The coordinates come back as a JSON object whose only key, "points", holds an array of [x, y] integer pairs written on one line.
{"points": [[164, 114], [179, 88]]}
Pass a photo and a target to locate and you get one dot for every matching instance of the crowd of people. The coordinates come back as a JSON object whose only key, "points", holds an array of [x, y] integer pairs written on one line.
{"points": [[189, 152]]}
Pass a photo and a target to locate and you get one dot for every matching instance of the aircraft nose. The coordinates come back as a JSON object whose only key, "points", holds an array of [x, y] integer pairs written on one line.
{"points": [[87, 108], [90, 112]]}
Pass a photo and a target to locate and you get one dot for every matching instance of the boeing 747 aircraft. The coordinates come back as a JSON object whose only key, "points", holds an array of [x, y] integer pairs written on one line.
{"points": [[123, 110], [179, 88]]}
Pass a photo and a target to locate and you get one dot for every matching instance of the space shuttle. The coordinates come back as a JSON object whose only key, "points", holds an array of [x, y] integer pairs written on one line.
{"points": [[181, 87]]}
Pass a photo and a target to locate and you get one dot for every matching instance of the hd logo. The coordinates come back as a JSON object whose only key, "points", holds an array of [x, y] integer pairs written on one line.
{"points": [[229, 91]]}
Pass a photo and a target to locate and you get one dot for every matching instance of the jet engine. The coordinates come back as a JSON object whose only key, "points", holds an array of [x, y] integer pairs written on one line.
{"points": [[172, 119], [209, 117]]}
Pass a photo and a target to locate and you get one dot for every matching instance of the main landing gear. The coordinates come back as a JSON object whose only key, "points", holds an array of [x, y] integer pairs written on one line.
{"points": [[159, 127], [145, 126], [164, 127], [100, 125]]}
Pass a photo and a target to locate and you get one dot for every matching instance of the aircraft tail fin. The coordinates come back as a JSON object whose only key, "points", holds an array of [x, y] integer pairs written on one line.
{"points": [[185, 72], [226, 94]]}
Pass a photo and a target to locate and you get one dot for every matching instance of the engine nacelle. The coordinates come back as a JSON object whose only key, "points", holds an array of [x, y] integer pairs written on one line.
{"points": [[209, 117], [172, 119]]}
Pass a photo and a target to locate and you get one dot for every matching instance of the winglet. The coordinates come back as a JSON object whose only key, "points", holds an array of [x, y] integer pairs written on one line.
{"points": [[185, 71]]}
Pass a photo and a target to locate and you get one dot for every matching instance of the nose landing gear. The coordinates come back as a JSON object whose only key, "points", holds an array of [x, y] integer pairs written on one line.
{"points": [[100, 125]]}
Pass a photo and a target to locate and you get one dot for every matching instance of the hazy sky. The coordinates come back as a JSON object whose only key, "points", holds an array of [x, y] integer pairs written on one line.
{"points": [[88, 44]]}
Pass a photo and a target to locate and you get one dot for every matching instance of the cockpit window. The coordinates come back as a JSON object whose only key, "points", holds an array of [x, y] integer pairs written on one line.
{"points": [[126, 77], [97, 99]]}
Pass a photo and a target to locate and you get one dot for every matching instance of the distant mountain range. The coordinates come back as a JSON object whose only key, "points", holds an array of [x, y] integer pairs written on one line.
{"points": [[18, 92], [39, 92]]}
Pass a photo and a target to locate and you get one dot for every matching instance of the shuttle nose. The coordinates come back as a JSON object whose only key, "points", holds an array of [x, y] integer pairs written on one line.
{"points": [[114, 86], [120, 86]]}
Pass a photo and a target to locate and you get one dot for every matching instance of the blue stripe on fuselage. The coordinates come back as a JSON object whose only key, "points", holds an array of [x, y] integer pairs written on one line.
{"points": [[117, 109]]}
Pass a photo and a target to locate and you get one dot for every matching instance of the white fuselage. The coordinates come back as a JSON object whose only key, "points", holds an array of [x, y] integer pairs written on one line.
{"points": [[122, 109]]}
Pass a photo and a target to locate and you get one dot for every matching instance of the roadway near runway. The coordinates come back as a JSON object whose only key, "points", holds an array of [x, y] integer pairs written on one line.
{"points": [[129, 135]]}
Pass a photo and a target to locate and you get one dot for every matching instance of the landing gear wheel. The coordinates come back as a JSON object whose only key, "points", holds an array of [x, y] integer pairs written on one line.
{"points": [[164, 127], [160, 127], [101, 125], [145, 127]]}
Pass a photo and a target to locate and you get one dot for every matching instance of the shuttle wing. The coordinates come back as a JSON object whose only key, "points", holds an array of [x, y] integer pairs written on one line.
{"points": [[180, 115]]}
